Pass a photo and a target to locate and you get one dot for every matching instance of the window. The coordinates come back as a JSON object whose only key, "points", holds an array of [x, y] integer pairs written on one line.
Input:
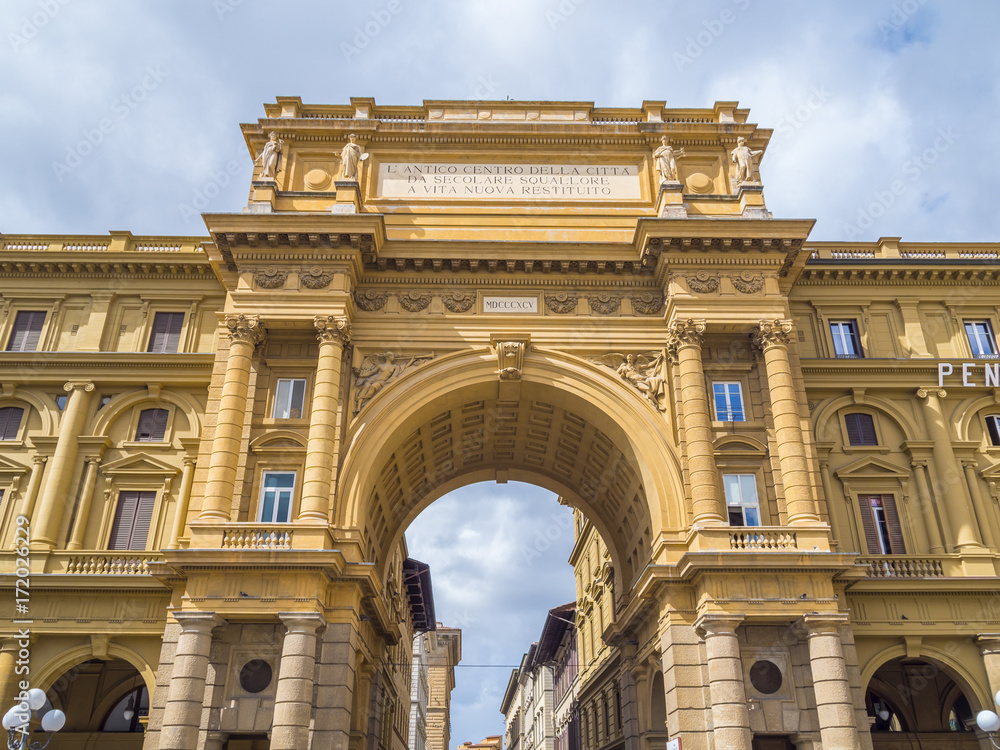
{"points": [[132, 519], [993, 428], [61, 401], [741, 499], [846, 342], [166, 335], [27, 331], [861, 429], [883, 534], [728, 402], [276, 496], [288, 398], [981, 339], [152, 425], [10, 422]]}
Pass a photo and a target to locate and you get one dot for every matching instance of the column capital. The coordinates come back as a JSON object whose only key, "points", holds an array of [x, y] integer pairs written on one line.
{"points": [[198, 622], [770, 333], [989, 643], [684, 333], [926, 392], [246, 328], [826, 623], [718, 624], [330, 328], [78, 385], [307, 623], [39, 459]]}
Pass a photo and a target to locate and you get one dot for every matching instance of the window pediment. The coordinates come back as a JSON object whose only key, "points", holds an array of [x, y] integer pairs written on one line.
{"points": [[872, 468], [138, 465], [278, 441]]}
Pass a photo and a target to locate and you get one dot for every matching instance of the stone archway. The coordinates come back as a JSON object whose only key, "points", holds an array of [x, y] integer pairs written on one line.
{"points": [[920, 701], [571, 428]]}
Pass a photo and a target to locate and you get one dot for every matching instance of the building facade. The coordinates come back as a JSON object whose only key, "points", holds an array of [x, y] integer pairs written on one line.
{"points": [[211, 446]]}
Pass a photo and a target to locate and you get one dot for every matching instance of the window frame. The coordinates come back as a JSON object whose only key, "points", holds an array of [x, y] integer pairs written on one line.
{"points": [[848, 443], [261, 502], [727, 394], [151, 332], [13, 331], [988, 334], [994, 420], [4, 437], [166, 426], [150, 528], [891, 523], [741, 504], [290, 397], [852, 324]]}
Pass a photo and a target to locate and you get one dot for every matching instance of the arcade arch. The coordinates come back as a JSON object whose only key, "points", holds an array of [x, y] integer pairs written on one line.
{"points": [[578, 432]]}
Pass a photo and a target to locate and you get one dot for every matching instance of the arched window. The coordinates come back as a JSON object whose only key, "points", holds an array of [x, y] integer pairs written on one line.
{"points": [[152, 426], [10, 422]]}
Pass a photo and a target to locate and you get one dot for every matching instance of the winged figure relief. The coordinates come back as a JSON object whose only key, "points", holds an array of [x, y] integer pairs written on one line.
{"points": [[377, 370], [644, 372]]}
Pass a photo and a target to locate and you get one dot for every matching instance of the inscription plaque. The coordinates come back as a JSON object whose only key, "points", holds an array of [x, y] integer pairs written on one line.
{"points": [[492, 181], [510, 305]]}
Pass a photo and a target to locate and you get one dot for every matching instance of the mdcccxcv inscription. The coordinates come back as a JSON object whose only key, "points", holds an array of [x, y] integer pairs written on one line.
{"points": [[509, 181]]}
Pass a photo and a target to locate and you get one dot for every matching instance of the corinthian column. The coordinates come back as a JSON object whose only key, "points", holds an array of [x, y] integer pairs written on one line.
{"points": [[49, 513], [771, 337], [684, 340], [186, 690], [730, 715], [834, 702], [245, 333], [294, 694], [317, 481], [952, 495]]}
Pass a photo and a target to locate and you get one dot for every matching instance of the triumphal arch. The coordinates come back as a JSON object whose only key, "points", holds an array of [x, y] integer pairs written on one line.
{"points": [[778, 442]]}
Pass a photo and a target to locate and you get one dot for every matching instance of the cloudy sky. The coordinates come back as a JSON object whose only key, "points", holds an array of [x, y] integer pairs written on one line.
{"points": [[884, 115]]}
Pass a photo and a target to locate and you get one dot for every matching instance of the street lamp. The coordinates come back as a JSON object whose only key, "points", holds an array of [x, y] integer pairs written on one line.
{"points": [[989, 722], [17, 719]]}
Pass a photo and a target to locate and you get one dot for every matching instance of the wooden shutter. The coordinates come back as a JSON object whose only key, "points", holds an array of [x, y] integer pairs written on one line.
{"points": [[868, 523], [132, 520], [152, 425], [166, 333], [10, 421], [895, 528], [860, 429], [27, 331]]}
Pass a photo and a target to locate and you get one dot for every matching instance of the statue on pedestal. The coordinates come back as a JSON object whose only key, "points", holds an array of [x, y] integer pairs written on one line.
{"points": [[269, 157], [666, 160], [743, 157], [350, 158]]}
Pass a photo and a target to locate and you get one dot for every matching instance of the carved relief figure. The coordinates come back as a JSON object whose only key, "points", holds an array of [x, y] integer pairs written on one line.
{"points": [[743, 157], [269, 157], [644, 372], [377, 370], [666, 160], [350, 158]]}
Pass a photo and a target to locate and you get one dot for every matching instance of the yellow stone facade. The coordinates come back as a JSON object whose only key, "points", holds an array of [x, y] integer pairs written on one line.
{"points": [[503, 291]]}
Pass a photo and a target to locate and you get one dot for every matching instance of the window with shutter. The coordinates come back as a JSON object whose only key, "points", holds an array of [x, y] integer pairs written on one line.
{"points": [[132, 520], [861, 429], [27, 331], [880, 519], [289, 398], [166, 335], [10, 422], [152, 425]]}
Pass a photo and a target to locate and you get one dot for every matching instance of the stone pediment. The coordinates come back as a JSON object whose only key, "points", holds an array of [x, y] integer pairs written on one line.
{"points": [[989, 473], [872, 468], [10, 469], [140, 464], [739, 445], [278, 441]]}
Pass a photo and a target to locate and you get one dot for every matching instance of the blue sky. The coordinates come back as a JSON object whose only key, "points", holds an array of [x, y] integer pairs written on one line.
{"points": [[124, 115]]}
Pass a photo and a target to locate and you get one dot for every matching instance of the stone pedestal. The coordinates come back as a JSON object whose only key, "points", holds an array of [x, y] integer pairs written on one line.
{"points": [[348, 200], [670, 201], [751, 195]]}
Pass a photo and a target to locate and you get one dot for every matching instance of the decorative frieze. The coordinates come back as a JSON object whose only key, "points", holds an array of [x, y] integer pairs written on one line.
{"points": [[604, 303], [370, 300], [315, 278], [270, 278], [414, 301], [748, 283], [561, 302], [647, 303], [458, 302], [702, 282]]}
